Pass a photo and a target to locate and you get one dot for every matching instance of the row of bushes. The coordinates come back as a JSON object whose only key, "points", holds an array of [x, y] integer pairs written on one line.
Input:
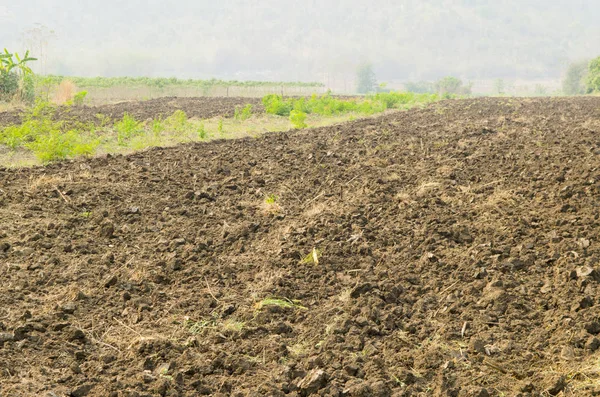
{"points": [[161, 82], [328, 105], [50, 139]]}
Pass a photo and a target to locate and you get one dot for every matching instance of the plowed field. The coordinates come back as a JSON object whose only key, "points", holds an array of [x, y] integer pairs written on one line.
{"points": [[446, 251]]}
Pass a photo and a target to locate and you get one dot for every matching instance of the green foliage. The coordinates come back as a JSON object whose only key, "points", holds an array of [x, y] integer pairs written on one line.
{"points": [[46, 138], [420, 87], [365, 79], [9, 85], [220, 127], [161, 82], [326, 105], [574, 82], [451, 86], [593, 77], [178, 121], [14, 74], [79, 98], [28, 89], [127, 128], [298, 119], [59, 145], [271, 199], [242, 114], [202, 131], [274, 104], [157, 126]]}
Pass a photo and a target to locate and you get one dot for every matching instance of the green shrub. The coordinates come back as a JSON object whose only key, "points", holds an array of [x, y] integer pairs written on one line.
{"points": [[274, 104], [298, 119], [9, 85], [28, 89], [178, 121], [59, 145], [79, 98], [127, 128], [201, 131], [244, 113], [451, 86], [365, 79], [593, 77], [157, 126]]}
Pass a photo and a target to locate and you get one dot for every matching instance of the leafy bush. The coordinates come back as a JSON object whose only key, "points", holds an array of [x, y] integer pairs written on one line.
{"points": [[59, 145], [202, 131], [157, 126], [452, 86], [178, 121], [79, 98], [593, 78], [13, 71], [298, 119], [127, 128], [46, 138], [420, 87], [365, 79], [242, 114], [274, 104], [9, 85]]}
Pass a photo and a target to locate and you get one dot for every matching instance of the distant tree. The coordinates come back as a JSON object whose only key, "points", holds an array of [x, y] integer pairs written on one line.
{"points": [[365, 79], [419, 87], [499, 86], [452, 86], [574, 82], [593, 77]]}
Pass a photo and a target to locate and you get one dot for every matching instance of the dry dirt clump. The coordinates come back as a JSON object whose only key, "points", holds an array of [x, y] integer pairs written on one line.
{"points": [[445, 251], [202, 108]]}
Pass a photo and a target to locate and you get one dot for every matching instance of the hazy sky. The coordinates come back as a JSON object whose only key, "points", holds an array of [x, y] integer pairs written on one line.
{"points": [[310, 39]]}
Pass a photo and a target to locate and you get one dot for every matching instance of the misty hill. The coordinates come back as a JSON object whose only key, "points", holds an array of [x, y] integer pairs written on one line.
{"points": [[311, 40]]}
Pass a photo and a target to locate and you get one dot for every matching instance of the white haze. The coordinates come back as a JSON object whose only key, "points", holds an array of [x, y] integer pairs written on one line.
{"points": [[311, 40]]}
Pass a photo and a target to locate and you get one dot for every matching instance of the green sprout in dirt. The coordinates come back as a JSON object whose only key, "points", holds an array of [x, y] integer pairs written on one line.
{"points": [[127, 128], [271, 199], [312, 258], [220, 127], [243, 114], [202, 131], [278, 302]]}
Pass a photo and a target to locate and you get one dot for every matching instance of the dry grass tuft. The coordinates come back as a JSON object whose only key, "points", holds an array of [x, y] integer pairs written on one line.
{"points": [[65, 92]]}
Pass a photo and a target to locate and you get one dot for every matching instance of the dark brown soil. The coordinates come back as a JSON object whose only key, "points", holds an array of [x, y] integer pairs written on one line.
{"points": [[457, 253], [202, 108]]}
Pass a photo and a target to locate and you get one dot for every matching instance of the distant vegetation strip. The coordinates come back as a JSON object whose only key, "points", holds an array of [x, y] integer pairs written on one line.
{"points": [[50, 138], [161, 82]]}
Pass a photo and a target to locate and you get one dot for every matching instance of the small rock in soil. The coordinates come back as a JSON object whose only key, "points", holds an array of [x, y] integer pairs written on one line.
{"points": [[68, 308], [557, 385], [312, 382], [593, 327], [110, 281], [477, 345], [76, 334], [82, 390], [107, 230], [592, 343], [586, 272], [6, 337]]}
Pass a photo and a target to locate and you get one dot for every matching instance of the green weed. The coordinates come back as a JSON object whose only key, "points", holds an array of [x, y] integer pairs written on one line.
{"points": [[243, 114], [127, 128], [298, 119], [283, 303]]}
